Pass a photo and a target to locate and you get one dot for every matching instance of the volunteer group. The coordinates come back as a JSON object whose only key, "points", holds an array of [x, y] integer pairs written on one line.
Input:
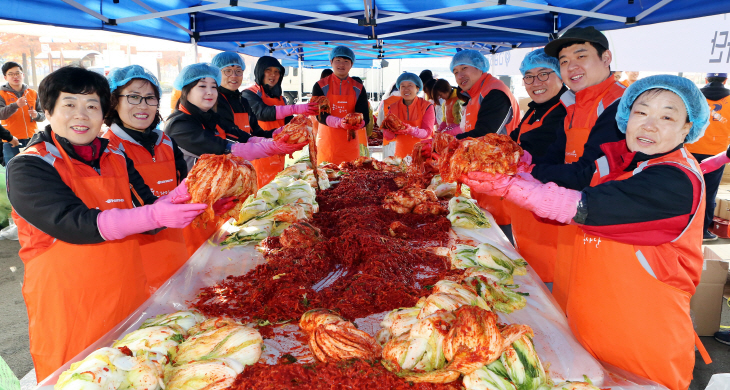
{"points": [[609, 207]]}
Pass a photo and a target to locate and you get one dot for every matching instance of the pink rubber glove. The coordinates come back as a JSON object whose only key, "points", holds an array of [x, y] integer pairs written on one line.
{"points": [[387, 134], [116, 224], [417, 132], [545, 200], [442, 126], [265, 148], [714, 163], [224, 204], [301, 109], [178, 192], [454, 130], [255, 140], [488, 183], [277, 131], [334, 122]]}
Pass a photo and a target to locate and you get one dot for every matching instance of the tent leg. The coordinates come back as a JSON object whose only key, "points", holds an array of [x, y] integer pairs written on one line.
{"points": [[300, 90]]}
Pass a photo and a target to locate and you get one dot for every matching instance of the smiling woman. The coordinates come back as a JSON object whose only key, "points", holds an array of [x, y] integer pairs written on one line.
{"points": [[640, 219], [132, 121], [79, 205]]}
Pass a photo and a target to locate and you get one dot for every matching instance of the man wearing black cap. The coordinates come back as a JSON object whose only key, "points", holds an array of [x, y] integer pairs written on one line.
{"points": [[715, 140], [591, 105]]}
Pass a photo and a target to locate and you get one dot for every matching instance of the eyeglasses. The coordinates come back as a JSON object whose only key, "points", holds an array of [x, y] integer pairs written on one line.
{"points": [[136, 99], [231, 72], [14, 74], [542, 76]]}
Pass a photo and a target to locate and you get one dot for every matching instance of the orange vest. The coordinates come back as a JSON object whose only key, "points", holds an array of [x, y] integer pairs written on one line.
{"points": [[77, 293], [162, 253], [412, 115], [535, 240], [267, 168], [481, 88], [332, 144], [583, 109], [717, 136], [386, 106], [174, 98], [20, 124], [449, 109], [617, 308], [197, 236]]}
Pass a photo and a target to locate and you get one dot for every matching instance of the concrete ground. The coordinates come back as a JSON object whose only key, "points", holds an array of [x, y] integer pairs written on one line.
{"points": [[14, 324]]}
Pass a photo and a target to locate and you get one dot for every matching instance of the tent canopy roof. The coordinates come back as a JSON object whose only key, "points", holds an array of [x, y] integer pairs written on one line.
{"points": [[307, 30]]}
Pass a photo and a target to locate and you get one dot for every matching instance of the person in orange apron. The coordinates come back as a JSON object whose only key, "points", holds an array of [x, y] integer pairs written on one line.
{"points": [[265, 101], [197, 130], [412, 110], [536, 240], [591, 105], [386, 101], [20, 110], [715, 140], [335, 143], [132, 122], [446, 99], [79, 206], [491, 109], [637, 258]]}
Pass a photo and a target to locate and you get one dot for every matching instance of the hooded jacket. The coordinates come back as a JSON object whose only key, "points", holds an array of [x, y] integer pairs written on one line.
{"points": [[263, 111], [715, 91]]}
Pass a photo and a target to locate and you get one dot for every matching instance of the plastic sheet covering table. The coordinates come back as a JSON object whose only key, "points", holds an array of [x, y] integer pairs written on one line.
{"points": [[564, 358]]}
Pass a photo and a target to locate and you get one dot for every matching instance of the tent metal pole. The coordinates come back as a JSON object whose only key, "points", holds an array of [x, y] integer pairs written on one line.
{"points": [[87, 10], [652, 9], [582, 18], [197, 8], [172, 22], [524, 4]]}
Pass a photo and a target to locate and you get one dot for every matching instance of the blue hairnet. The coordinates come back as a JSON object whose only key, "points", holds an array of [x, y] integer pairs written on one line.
{"points": [[539, 59], [196, 72], [471, 58], [121, 76], [342, 51], [226, 59], [697, 107], [407, 76]]}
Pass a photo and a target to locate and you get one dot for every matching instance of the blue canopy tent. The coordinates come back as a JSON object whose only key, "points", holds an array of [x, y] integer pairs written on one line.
{"points": [[307, 30]]}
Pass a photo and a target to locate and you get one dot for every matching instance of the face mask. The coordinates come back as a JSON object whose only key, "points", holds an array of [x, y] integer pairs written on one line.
{"points": [[442, 101]]}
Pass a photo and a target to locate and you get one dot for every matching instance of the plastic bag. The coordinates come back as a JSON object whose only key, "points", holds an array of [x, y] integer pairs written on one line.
{"points": [[8, 381], [10, 232], [719, 382]]}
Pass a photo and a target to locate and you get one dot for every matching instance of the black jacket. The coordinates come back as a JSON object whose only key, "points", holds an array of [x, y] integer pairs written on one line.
{"points": [[537, 140], [263, 111], [493, 114], [230, 102], [715, 91], [196, 133], [39, 195], [551, 167]]}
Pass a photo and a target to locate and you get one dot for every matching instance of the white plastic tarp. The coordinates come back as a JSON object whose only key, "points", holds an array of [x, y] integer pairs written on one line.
{"points": [[562, 355]]}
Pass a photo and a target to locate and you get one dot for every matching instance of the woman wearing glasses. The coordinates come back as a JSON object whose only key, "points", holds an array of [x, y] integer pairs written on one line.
{"points": [[536, 240], [132, 122]]}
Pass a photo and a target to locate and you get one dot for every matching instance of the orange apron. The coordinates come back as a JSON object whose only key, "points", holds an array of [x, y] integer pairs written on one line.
{"points": [[332, 144], [576, 139], [536, 241], [412, 115], [386, 106], [487, 83], [626, 317], [77, 293], [196, 236], [268, 167], [162, 253], [20, 125]]}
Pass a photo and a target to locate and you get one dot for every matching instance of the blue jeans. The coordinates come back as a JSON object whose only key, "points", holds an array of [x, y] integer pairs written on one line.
{"points": [[10, 151]]}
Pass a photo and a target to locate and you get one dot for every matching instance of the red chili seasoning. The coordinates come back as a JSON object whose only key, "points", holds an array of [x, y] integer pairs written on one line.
{"points": [[351, 374]]}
